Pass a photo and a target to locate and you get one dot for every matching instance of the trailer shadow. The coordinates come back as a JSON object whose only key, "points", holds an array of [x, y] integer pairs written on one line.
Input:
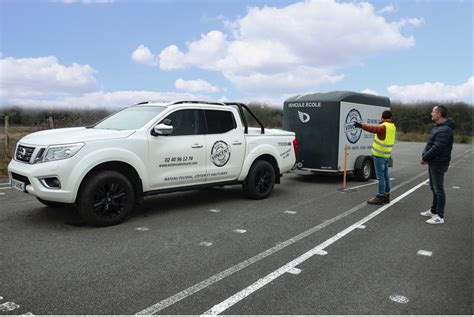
{"points": [[321, 178]]}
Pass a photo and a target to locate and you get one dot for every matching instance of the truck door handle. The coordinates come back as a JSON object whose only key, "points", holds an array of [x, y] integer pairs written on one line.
{"points": [[237, 143], [197, 146]]}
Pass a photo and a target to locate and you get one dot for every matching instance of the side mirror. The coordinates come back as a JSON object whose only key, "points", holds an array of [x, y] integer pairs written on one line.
{"points": [[162, 129]]}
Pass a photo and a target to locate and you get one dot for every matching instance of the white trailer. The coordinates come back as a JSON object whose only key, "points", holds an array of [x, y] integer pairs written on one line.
{"points": [[324, 124]]}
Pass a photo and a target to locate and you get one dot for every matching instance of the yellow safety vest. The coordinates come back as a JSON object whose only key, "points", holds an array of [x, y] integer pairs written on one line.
{"points": [[383, 148]]}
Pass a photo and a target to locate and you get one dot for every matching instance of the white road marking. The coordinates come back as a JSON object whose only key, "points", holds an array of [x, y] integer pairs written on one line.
{"points": [[321, 252], [360, 186], [5, 188], [215, 278], [240, 230], [456, 187], [28, 314], [424, 253], [2, 193], [205, 244], [214, 210], [371, 183], [142, 229], [290, 212], [237, 297], [8, 306], [153, 309], [294, 271], [399, 299], [361, 227], [5, 184]]}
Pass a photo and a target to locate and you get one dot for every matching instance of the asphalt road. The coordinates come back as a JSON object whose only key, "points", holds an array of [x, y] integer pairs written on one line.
{"points": [[307, 249]]}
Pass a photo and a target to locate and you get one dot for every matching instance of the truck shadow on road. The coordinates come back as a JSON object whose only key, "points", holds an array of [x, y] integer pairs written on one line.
{"points": [[182, 201]]}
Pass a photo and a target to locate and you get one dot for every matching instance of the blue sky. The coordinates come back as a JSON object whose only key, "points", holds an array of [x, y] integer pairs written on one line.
{"points": [[114, 53]]}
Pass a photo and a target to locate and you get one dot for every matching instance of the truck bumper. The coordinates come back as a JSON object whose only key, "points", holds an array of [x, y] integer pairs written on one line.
{"points": [[32, 174]]}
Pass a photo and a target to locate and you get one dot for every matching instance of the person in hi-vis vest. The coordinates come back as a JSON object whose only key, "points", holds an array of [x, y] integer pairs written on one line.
{"points": [[384, 139]]}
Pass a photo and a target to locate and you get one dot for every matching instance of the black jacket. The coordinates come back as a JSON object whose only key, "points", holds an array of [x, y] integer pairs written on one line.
{"points": [[438, 149]]}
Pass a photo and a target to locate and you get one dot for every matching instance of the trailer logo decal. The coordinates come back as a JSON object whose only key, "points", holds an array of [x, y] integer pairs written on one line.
{"points": [[352, 133], [304, 117], [220, 153]]}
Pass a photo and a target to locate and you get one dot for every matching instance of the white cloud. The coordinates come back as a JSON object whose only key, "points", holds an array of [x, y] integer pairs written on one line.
{"points": [[434, 92], [44, 77], [142, 55], [292, 44], [387, 9], [197, 85], [369, 91], [100, 99]]}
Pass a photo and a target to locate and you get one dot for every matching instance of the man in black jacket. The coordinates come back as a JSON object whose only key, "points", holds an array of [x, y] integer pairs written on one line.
{"points": [[437, 154]]}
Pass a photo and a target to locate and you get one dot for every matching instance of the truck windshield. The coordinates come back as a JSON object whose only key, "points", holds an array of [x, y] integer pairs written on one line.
{"points": [[130, 118]]}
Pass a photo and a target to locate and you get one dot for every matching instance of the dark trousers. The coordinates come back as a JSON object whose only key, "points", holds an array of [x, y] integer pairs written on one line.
{"points": [[436, 173]]}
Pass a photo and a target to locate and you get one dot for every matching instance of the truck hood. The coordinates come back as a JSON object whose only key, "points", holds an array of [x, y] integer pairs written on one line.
{"points": [[73, 135]]}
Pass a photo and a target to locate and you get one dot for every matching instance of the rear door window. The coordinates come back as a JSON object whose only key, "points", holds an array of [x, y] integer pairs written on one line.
{"points": [[219, 121]]}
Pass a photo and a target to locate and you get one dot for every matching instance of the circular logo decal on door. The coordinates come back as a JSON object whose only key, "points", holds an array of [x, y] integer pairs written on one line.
{"points": [[352, 133], [220, 153]]}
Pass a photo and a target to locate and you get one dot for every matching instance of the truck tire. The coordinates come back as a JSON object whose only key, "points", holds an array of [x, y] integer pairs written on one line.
{"points": [[106, 199], [52, 204], [366, 171], [260, 180]]}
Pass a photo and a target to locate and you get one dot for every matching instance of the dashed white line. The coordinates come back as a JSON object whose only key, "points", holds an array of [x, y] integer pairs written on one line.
{"points": [[240, 230], [2, 193], [239, 296], [456, 187], [424, 253], [8, 306], [214, 210], [205, 244], [399, 299], [142, 229], [361, 227], [294, 271], [290, 212]]}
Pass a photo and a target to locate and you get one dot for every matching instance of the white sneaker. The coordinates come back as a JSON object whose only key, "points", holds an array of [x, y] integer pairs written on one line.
{"points": [[436, 220], [427, 213]]}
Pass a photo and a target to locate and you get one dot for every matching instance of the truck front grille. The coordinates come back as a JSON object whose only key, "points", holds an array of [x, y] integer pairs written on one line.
{"points": [[24, 153]]}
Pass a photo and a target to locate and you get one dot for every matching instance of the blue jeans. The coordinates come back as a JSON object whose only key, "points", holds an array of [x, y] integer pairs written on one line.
{"points": [[381, 169], [436, 173]]}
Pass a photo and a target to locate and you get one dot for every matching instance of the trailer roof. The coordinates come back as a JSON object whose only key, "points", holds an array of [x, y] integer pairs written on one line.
{"points": [[337, 96]]}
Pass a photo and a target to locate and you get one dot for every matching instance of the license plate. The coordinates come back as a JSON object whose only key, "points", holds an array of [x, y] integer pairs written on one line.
{"points": [[18, 185]]}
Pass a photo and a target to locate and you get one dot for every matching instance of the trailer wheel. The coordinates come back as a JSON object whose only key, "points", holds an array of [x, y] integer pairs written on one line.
{"points": [[106, 199], [260, 180], [366, 171]]}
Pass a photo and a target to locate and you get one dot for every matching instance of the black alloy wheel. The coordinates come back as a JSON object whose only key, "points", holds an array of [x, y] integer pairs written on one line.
{"points": [[264, 180], [260, 180], [106, 198], [110, 200]]}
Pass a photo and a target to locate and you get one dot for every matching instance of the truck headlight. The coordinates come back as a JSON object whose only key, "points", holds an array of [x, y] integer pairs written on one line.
{"points": [[61, 152]]}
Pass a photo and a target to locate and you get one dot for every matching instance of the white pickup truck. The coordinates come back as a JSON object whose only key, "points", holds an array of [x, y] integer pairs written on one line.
{"points": [[147, 149]]}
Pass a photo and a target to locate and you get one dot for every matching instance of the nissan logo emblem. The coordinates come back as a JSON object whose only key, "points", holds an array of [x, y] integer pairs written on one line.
{"points": [[21, 152]]}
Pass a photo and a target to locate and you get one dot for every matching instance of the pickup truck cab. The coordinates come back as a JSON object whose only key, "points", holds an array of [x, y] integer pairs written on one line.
{"points": [[147, 149]]}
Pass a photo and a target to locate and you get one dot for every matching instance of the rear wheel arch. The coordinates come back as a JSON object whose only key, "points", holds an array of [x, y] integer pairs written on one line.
{"points": [[270, 159]]}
